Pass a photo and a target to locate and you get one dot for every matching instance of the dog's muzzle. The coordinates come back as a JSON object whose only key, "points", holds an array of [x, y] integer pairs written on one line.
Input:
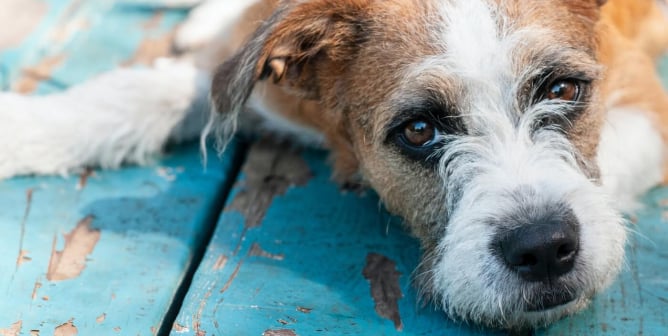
{"points": [[541, 250]]}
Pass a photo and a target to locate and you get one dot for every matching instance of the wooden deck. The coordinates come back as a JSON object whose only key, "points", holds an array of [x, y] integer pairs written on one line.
{"points": [[261, 243]]}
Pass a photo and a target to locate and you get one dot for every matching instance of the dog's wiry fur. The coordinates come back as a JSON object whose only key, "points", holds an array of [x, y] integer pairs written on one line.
{"points": [[366, 62], [346, 73]]}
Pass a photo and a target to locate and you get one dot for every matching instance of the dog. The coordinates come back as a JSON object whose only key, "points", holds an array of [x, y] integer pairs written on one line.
{"points": [[510, 135]]}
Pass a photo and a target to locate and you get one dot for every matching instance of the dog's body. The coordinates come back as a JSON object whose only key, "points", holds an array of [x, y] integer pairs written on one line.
{"points": [[508, 134]]}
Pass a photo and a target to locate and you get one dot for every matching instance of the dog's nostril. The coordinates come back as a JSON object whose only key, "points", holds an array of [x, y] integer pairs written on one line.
{"points": [[527, 260], [566, 252]]}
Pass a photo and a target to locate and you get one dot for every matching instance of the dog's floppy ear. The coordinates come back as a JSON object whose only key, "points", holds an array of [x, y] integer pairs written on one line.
{"points": [[291, 48]]}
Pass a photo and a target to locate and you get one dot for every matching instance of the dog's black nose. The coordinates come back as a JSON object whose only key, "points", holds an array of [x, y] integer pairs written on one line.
{"points": [[543, 251]]}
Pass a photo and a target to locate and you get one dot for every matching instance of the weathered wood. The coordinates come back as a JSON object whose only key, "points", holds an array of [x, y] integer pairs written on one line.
{"points": [[103, 253], [303, 266], [107, 254], [300, 269]]}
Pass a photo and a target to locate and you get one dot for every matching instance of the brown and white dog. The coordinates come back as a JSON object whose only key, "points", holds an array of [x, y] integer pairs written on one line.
{"points": [[498, 129], [509, 134]]}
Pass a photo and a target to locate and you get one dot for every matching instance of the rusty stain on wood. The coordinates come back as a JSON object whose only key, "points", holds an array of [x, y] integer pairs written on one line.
{"points": [[269, 170], [101, 318], [279, 332], [179, 328], [66, 329], [220, 262], [26, 213], [35, 288], [233, 276], [304, 310], [13, 330], [32, 76], [154, 21], [152, 48], [71, 261], [23, 16], [198, 316], [257, 251], [23, 257], [45, 298], [385, 289]]}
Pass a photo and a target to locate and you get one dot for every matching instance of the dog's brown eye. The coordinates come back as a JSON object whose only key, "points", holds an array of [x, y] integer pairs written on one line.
{"points": [[565, 89], [419, 133]]}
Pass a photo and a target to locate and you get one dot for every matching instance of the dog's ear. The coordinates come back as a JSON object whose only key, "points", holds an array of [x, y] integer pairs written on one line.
{"points": [[291, 48]]}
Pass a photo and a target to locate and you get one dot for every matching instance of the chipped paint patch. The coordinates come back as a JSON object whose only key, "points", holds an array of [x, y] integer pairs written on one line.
{"points": [[71, 261], [36, 288], [385, 289], [279, 332], [34, 332], [304, 310], [152, 48], [13, 330], [66, 329], [22, 257], [179, 328], [220, 263], [32, 76], [23, 16], [257, 251], [166, 173], [101, 318]]}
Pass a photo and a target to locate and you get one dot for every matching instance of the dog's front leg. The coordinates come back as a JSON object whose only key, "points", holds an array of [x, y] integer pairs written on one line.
{"points": [[126, 115]]}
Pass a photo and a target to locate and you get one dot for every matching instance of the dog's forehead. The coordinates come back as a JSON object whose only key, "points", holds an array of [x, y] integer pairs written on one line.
{"points": [[453, 44]]}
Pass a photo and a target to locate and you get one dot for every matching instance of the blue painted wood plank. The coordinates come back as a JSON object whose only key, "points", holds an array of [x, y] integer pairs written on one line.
{"points": [[145, 224], [309, 250], [300, 268], [102, 254], [79, 38]]}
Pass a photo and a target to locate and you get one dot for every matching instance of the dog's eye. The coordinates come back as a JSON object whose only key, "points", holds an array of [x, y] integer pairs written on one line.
{"points": [[419, 133], [563, 89]]}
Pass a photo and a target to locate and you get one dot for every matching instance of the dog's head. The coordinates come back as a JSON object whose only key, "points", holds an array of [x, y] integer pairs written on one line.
{"points": [[478, 121]]}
